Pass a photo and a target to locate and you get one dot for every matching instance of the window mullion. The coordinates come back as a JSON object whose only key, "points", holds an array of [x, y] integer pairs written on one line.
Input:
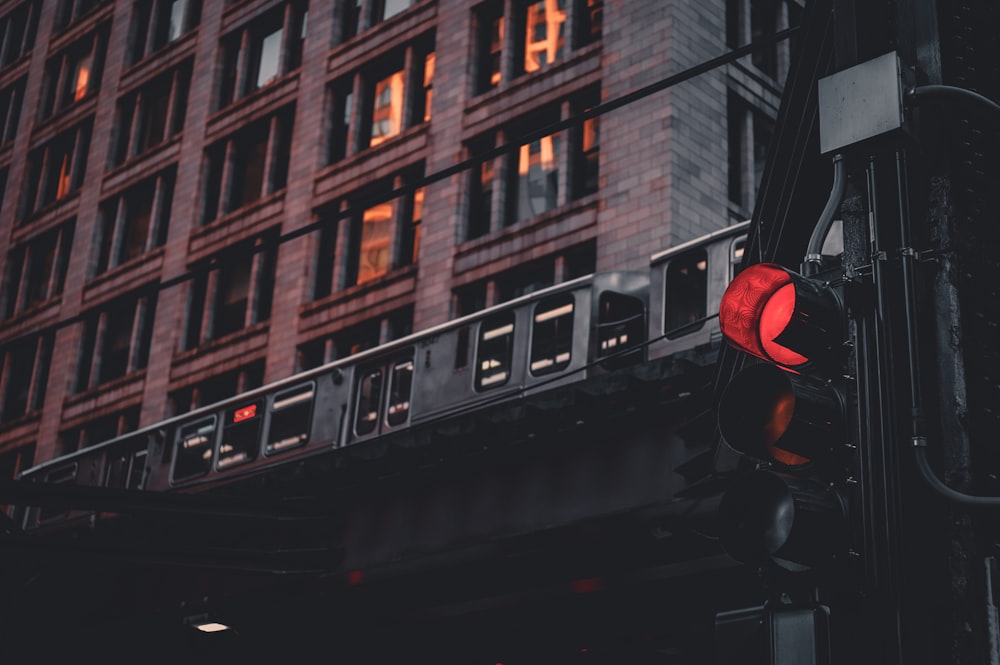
{"points": [[36, 389], [286, 39], [53, 277], [60, 91], [5, 45], [410, 85], [365, 20], [397, 227], [135, 127], [135, 341], [10, 120], [43, 176], [508, 59], [98, 353], [23, 43], [224, 182], [562, 158], [5, 361], [156, 214], [270, 155], [357, 101], [172, 101], [208, 312], [21, 299], [342, 249], [499, 207], [118, 232], [76, 161], [253, 289], [242, 65], [151, 28]]}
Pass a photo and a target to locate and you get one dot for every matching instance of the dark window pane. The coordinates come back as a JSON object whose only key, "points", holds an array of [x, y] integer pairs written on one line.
{"points": [[552, 335], [495, 351], [686, 293], [400, 385], [369, 396]]}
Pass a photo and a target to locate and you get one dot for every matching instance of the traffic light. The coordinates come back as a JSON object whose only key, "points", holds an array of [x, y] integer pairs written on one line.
{"points": [[787, 413]]}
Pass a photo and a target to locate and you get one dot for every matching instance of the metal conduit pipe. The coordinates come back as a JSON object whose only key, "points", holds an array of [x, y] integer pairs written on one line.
{"points": [[814, 259]]}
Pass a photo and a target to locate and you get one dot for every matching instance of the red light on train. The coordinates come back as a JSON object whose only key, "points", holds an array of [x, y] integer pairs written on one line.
{"points": [[246, 413], [778, 315]]}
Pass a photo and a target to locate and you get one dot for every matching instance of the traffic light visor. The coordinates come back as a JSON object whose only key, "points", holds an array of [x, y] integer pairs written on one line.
{"points": [[755, 311]]}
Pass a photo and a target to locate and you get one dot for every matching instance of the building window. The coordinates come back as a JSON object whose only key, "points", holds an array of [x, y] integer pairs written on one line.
{"points": [[11, 98], [71, 11], [586, 153], [134, 222], [158, 23], [489, 44], [535, 34], [373, 241], [17, 32], [216, 388], [750, 133], [380, 101], [99, 430], [750, 21], [685, 293], [355, 339], [75, 73], [151, 115], [543, 31], [249, 165], [235, 294], [533, 186], [36, 270], [23, 375], [482, 188], [589, 16], [261, 52], [56, 169], [115, 341], [539, 174], [356, 16]]}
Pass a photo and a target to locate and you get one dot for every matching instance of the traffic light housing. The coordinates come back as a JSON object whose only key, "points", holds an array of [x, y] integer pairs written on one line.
{"points": [[786, 412]]}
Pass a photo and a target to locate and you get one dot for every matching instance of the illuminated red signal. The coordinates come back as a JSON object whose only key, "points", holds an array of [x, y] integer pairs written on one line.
{"points": [[778, 315], [246, 413], [788, 414]]}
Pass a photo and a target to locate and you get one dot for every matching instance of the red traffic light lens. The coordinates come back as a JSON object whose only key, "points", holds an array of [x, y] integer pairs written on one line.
{"points": [[756, 308]]}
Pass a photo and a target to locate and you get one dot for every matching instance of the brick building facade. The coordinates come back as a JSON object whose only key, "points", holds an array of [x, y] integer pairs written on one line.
{"points": [[159, 159]]}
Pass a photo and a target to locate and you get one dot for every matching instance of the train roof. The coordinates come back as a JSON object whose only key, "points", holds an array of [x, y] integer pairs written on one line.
{"points": [[667, 254]]}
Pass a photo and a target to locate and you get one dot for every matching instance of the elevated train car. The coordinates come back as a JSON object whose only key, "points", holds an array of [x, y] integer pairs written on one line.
{"points": [[554, 338]]}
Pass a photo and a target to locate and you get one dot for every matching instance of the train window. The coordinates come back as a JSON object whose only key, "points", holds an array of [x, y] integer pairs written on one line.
{"points": [[240, 434], [137, 473], [193, 454], [552, 335], [62, 475], [495, 351], [369, 395], [686, 293], [736, 259], [462, 348], [125, 469], [291, 417], [400, 386], [621, 323]]}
